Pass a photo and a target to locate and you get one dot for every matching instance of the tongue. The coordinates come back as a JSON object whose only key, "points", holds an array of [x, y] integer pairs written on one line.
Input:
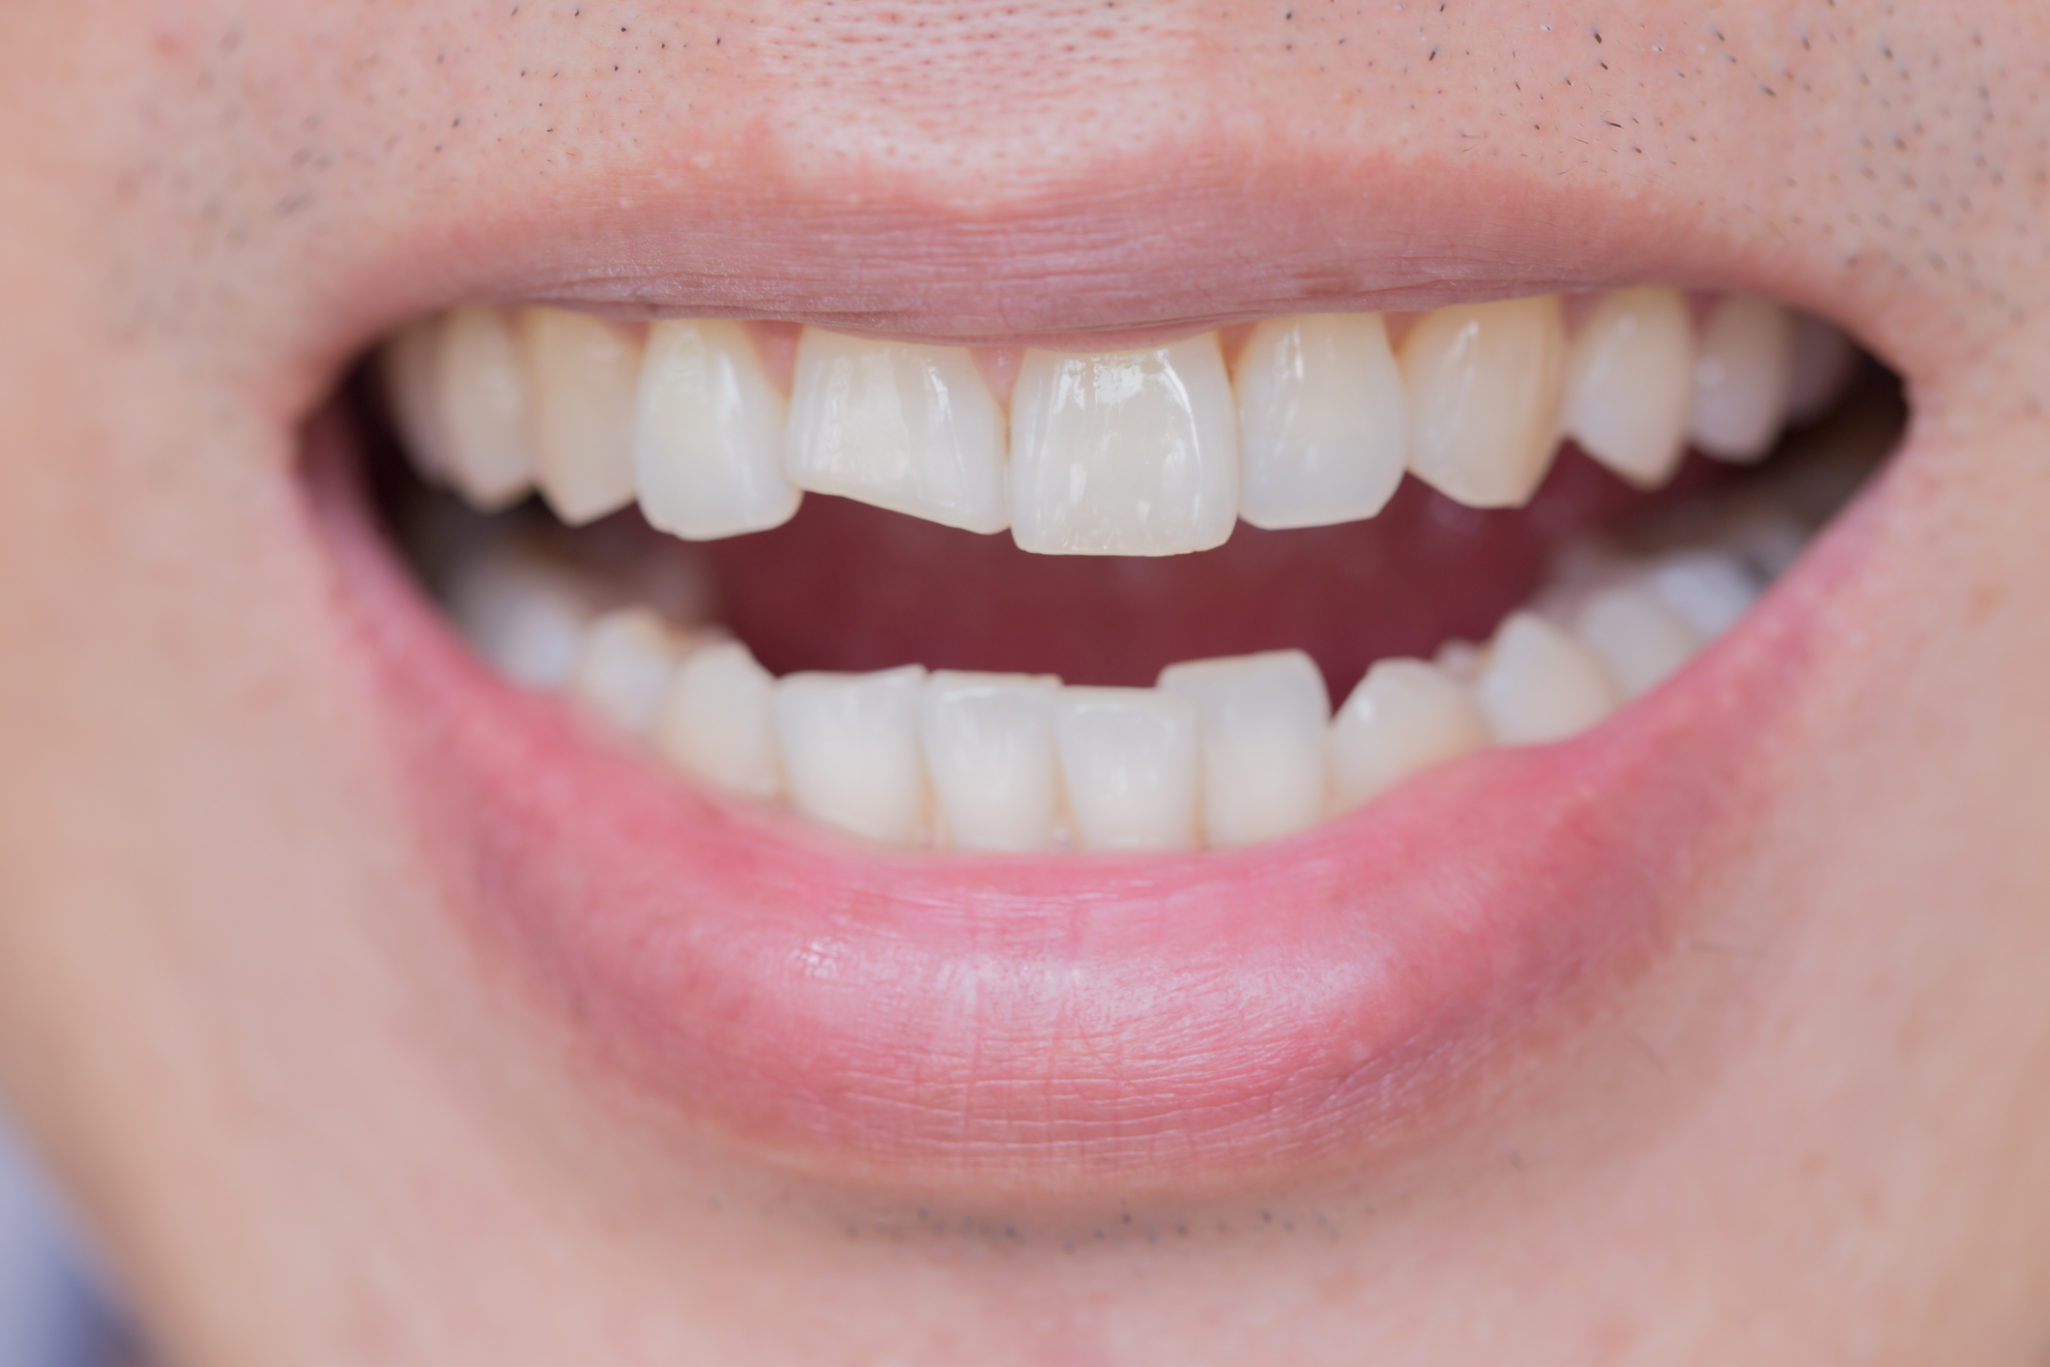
{"points": [[844, 586]]}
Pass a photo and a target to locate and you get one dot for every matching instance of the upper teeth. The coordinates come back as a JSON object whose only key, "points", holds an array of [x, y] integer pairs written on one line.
{"points": [[1148, 452]]}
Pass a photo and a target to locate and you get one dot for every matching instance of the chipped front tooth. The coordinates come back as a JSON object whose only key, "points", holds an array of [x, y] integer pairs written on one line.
{"points": [[1824, 359], [1630, 382], [989, 752], [1323, 420], [523, 611], [1404, 717], [488, 453], [1124, 453], [717, 720], [708, 433], [1261, 721], [624, 667], [1129, 762], [1539, 684], [910, 428], [1709, 589], [1638, 638], [851, 753], [1743, 376], [582, 377], [1485, 383]]}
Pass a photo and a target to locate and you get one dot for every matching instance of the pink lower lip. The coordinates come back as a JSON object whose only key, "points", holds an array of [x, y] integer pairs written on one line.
{"points": [[1066, 1024]]}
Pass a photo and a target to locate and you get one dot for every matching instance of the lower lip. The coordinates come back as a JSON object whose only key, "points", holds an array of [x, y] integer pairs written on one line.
{"points": [[1065, 1026]]}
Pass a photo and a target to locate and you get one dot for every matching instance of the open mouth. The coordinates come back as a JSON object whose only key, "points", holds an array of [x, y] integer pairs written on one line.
{"points": [[938, 762]]}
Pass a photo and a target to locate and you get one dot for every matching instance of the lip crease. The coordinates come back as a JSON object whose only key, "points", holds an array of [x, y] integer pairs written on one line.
{"points": [[1060, 1026]]}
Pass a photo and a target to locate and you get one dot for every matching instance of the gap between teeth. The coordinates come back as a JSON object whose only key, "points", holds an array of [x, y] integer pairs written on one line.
{"points": [[1148, 452], [1220, 753]]}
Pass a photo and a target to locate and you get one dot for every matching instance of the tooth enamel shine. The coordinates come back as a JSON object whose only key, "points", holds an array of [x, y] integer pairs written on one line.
{"points": [[1323, 420], [708, 434], [1485, 383]]}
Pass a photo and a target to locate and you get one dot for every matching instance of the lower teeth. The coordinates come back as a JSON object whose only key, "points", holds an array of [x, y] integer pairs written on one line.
{"points": [[1218, 753]]}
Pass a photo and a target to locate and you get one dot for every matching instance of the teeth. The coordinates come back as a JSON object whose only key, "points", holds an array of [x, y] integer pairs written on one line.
{"points": [[1323, 421], [1262, 720], [408, 367], [1406, 716], [909, 428], [1539, 684], [582, 374], [1629, 384], [1485, 383], [1129, 453], [1710, 590], [523, 612], [989, 751], [851, 750], [624, 667], [487, 454], [1639, 639], [708, 434], [1743, 379], [717, 720], [1129, 759]]}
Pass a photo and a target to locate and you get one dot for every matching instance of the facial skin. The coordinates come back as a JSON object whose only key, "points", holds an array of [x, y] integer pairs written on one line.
{"points": [[312, 1120]]}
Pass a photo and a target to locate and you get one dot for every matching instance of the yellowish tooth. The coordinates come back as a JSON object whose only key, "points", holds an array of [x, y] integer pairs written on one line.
{"points": [[407, 366], [1743, 379], [708, 434], [1323, 420], [1630, 381], [489, 454], [718, 720], [1539, 684], [583, 374], [1404, 717], [1485, 383]]}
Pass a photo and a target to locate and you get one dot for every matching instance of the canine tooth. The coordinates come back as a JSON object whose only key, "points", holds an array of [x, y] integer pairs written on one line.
{"points": [[582, 374], [708, 434], [717, 720], [624, 667], [522, 611], [1823, 360], [1485, 382], [1709, 589], [1404, 717], [1323, 420], [989, 753], [851, 753], [1540, 684], [407, 367], [1638, 638], [910, 428], [1261, 721], [1128, 758], [1124, 453], [488, 452], [1743, 375], [1629, 384]]}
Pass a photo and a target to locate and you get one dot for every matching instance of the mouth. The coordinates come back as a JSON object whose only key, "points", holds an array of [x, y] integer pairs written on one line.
{"points": [[1020, 768]]}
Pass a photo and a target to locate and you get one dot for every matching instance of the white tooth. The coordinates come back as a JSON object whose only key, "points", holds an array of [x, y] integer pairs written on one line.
{"points": [[1743, 375], [1128, 758], [1261, 721], [1629, 384], [1709, 589], [1823, 361], [708, 434], [1323, 420], [910, 428], [408, 366], [1406, 716], [989, 752], [582, 374], [624, 667], [1461, 660], [1485, 382], [521, 610], [1126, 453], [718, 720], [489, 451], [851, 752], [1539, 684], [1639, 639]]}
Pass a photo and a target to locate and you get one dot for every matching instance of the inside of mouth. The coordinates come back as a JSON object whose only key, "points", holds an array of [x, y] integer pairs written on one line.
{"points": [[867, 626]]}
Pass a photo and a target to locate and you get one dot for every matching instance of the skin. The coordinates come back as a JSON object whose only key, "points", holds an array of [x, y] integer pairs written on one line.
{"points": [[309, 1123]]}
